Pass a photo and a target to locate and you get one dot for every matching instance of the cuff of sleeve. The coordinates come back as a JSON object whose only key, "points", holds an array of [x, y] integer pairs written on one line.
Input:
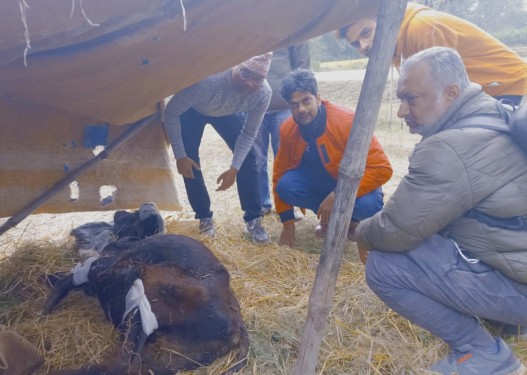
{"points": [[287, 215]]}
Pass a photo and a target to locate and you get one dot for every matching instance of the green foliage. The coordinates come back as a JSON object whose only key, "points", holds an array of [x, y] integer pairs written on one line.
{"points": [[491, 15], [514, 37], [327, 47]]}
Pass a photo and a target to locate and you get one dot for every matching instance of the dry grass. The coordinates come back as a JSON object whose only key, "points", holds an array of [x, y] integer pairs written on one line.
{"points": [[272, 283]]}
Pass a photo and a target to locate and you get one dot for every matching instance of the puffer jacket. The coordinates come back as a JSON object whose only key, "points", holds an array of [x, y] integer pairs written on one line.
{"points": [[452, 171]]}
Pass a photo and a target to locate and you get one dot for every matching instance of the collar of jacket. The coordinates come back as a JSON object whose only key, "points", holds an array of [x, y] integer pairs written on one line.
{"points": [[314, 130], [471, 101]]}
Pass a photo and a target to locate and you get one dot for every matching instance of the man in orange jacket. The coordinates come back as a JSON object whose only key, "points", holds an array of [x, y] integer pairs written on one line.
{"points": [[490, 63], [312, 144]]}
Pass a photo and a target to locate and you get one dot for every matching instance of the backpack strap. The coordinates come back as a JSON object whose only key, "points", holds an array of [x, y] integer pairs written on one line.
{"points": [[485, 122]]}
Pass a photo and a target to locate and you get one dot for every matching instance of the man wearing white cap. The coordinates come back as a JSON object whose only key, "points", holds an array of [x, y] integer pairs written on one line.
{"points": [[234, 103]]}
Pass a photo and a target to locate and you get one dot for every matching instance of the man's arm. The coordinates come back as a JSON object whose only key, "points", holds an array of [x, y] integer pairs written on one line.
{"points": [[378, 169], [432, 195], [176, 106], [248, 134]]}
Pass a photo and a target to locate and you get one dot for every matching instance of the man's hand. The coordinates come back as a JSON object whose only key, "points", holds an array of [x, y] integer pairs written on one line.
{"points": [[363, 255], [185, 165], [324, 211], [226, 179], [287, 237]]}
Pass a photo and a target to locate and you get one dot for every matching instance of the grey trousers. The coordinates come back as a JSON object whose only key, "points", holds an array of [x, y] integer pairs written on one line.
{"points": [[435, 288]]}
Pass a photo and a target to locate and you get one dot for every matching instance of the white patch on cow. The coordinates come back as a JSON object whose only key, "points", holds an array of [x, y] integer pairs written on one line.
{"points": [[136, 298], [80, 271]]}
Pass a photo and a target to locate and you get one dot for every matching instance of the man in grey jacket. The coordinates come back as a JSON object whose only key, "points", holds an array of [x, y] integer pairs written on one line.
{"points": [[451, 244], [233, 102]]}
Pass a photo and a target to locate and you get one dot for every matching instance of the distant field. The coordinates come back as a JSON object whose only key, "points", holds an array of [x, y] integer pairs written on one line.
{"points": [[327, 66]]}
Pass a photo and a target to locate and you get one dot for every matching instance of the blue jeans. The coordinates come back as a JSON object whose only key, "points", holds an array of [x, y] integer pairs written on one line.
{"points": [[229, 128], [302, 187], [270, 128], [435, 288]]}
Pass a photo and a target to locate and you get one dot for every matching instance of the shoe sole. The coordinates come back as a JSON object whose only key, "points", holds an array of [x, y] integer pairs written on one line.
{"points": [[249, 237]]}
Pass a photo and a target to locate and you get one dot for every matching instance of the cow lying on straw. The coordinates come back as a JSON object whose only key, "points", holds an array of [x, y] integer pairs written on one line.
{"points": [[166, 287]]}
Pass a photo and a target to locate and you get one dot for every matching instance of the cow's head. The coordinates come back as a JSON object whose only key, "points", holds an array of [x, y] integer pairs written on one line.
{"points": [[140, 224]]}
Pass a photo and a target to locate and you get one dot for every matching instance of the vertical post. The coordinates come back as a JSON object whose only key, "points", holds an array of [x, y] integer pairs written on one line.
{"points": [[350, 173]]}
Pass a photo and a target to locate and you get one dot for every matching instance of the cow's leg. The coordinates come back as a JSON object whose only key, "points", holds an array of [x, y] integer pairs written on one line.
{"points": [[127, 358], [60, 289]]}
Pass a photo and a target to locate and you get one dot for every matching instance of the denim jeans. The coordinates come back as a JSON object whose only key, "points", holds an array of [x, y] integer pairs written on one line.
{"points": [[302, 187], [270, 128], [435, 288], [229, 128]]}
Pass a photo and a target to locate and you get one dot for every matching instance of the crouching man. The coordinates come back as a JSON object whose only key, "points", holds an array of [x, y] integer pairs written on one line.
{"points": [[451, 244], [312, 144]]}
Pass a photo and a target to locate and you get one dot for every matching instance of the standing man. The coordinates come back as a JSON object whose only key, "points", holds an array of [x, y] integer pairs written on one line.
{"points": [[283, 62], [500, 71], [312, 144], [451, 244], [234, 103]]}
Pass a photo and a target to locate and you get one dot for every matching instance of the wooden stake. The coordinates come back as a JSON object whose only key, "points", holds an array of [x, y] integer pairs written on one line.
{"points": [[350, 173], [73, 175]]}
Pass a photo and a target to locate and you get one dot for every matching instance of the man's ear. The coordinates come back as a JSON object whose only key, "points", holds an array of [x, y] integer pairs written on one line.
{"points": [[451, 92]]}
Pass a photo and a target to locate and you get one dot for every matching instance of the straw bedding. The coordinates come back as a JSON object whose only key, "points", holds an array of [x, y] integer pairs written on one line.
{"points": [[272, 284]]}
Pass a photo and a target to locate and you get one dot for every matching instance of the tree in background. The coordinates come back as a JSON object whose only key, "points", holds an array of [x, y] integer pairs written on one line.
{"points": [[491, 15], [505, 19]]}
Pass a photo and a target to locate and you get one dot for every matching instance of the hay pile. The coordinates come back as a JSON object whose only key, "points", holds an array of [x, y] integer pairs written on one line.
{"points": [[272, 283]]}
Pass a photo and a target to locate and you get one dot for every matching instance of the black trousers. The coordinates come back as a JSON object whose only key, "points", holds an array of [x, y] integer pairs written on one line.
{"points": [[229, 128]]}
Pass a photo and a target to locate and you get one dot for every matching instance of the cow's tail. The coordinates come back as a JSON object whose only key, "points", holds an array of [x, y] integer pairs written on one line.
{"points": [[243, 352]]}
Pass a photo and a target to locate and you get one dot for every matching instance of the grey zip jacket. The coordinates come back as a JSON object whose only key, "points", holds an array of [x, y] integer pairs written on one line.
{"points": [[454, 172]]}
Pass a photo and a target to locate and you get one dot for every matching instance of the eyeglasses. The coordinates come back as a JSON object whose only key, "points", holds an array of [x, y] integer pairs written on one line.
{"points": [[248, 75]]}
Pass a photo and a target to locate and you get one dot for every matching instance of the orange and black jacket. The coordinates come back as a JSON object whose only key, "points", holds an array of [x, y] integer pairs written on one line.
{"points": [[330, 146]]}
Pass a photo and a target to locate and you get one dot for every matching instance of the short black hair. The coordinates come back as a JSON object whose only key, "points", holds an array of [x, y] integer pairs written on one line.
{"points": [[299, 80]]}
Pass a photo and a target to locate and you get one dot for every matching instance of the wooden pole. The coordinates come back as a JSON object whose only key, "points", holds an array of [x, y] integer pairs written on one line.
{"points": [[73, 175], [350, 173]]}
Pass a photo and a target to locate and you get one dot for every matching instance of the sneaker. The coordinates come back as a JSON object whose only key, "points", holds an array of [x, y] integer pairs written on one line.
{"points": [[266, 211], [206, 227], [466, 361], [256, 231]]}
